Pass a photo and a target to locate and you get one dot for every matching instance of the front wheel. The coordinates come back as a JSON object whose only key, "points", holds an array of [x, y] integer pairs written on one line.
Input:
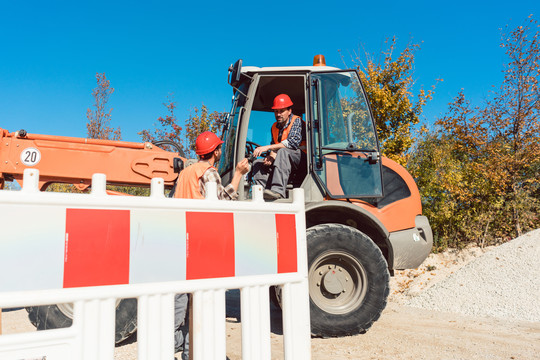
{"points": [[348, 280], [61, 316]]}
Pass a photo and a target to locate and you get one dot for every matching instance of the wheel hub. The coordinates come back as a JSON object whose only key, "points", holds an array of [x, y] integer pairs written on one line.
{"points": [[335, 280]]}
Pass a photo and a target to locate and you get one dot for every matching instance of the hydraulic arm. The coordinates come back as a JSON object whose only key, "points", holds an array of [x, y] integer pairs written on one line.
{"points": [[74, 160]]}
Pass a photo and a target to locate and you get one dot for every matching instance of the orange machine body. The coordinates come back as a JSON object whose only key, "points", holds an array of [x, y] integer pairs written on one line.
{"points": [[74, 160]]}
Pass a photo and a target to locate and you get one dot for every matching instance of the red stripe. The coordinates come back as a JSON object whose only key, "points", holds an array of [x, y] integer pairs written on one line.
{"points": [[286, 241], [210, 245], [96, 247]]}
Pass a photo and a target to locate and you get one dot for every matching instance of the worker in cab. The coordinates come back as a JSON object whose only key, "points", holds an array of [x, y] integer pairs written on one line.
{"points": [[191, 185], [287, 150], [192, 180]]}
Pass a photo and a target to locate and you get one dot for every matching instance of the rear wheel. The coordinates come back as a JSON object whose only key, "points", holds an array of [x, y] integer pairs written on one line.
{"points": [[348, 280], [61, 316]]}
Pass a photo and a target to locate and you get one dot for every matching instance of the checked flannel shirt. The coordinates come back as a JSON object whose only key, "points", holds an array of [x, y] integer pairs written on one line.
{"points": [[223, 192]]}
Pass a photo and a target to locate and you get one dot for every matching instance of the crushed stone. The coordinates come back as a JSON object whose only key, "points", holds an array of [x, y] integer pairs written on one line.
{"points": [[503, 282]]}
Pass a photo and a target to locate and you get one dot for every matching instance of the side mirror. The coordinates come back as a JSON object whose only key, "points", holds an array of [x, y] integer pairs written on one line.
{"points": [[223, 121], [223, 118], [178, 165], [235, 71]]}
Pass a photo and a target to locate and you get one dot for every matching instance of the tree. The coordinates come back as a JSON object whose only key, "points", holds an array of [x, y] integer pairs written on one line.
{"points": [[200, 122], [389, 87], [99, 119], [98, 128], [478, 171], [513, 118], [445, 164], [169, 130]]}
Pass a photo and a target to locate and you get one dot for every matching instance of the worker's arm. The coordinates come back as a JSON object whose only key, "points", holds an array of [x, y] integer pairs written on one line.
{"points": [[228, 192], [272, 147], [292, 141], [241, 168]]}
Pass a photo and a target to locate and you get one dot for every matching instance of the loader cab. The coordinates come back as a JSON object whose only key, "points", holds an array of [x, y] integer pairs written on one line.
{"points": [[343, 152]]}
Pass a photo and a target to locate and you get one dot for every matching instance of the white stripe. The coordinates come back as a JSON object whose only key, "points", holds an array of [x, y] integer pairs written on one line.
{"points": [[157, 246], [32, 248], [255, 244]]}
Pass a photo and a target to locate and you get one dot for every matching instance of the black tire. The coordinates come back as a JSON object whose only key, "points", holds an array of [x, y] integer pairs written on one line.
{"points": [[349, 280], [61, 316]]}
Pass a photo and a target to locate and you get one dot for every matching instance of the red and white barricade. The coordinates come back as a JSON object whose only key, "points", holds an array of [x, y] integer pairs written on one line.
{"points": [[92, 249]]}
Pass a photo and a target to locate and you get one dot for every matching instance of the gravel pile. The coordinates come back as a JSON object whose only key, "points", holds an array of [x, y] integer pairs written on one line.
{"points": [[503, 283]]}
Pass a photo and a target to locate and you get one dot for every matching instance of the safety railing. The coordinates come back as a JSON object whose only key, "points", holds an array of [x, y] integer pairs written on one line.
{"points": [[93, 249]]}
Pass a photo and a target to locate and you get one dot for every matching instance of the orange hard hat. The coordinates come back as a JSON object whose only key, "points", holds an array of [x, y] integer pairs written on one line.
{"points": [[206, 143], [282, 101]]}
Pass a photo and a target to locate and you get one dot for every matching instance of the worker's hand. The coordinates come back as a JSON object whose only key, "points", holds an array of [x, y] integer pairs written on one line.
{"points": [[269, 160], [258, 151], [243, 167]]}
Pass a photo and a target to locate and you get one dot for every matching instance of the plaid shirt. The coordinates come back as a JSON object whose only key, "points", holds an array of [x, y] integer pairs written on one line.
{"points": [[296, 135], [223, 192]]}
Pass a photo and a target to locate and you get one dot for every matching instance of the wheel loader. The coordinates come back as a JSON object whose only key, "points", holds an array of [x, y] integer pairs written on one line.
{"points": [[363, 211]]}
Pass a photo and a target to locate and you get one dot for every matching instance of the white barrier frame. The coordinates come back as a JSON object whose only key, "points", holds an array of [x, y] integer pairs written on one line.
{"points": [[92, 334]]}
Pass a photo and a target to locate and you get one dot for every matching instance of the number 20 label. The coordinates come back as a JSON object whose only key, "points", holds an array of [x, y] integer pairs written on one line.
{"points": [[30, 156]]}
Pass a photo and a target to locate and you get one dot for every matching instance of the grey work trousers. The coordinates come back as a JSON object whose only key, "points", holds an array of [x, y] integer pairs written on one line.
{"points": [[276, 176], [181, 324]]}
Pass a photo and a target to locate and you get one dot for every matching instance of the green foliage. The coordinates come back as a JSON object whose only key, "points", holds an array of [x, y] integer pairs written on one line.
{"points": [[389, 87], [445, 166], [63, 188], [478, 171], [129, 190], [122, 190]]}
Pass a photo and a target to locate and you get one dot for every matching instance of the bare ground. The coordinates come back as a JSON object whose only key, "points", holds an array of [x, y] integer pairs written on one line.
{"points": [[402, 332]]}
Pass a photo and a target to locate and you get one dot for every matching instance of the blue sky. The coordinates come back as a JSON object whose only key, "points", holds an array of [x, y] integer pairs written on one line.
{"points": [[50, 52]]}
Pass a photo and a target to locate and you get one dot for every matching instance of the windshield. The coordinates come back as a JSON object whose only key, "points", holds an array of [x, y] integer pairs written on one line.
{"points": [[229, 132], [346, 119], [345, 151]]}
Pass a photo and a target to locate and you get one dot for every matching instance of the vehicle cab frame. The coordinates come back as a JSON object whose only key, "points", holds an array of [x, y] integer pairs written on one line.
{"points": [[333, 105]]}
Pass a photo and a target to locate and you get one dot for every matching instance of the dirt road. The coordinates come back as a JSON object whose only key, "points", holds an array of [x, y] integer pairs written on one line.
{"points": [[401, 333], [410, 333]]}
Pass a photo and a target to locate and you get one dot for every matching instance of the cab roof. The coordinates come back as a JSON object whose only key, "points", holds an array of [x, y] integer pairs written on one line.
{"points": [[255, 69]]}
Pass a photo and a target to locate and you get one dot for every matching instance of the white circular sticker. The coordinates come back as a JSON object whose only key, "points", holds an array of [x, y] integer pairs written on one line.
{"points": [[30, 156]]}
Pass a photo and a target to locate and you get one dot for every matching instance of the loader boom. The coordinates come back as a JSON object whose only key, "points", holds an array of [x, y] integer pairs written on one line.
{"points": [[72, 160]]}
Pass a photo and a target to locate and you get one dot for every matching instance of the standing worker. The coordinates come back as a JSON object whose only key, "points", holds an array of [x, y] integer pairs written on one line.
{"points": [[192, 180], [191, 185], [287, 150]]}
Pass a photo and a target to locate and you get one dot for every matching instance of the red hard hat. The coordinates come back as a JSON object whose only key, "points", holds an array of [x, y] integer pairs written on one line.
{"points": [[206, 143], [282, 101]]}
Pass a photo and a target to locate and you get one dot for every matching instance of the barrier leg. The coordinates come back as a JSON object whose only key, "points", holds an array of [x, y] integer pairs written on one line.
{"points": [[191, 324], [297, 333], [209, 339], [95, 322], [255, 307], [155, 327]]}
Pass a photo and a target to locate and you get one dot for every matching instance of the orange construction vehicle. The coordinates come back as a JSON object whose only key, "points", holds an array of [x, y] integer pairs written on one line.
{"points": [[363, 212]]}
